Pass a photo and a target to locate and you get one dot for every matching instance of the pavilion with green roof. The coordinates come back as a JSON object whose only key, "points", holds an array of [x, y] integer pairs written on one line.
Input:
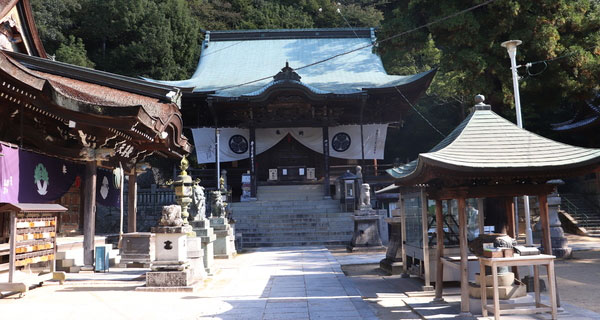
{"points": [[487, 156]]}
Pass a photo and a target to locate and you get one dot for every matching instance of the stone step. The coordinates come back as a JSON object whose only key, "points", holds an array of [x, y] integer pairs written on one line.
{"points": [[288, 203], [294, 243]]}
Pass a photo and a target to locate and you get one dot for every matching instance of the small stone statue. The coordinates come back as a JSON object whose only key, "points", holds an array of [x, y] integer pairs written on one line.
{"points": [[171, 216], [198, 201], [359, 172], [218, 206], [365, 196]]}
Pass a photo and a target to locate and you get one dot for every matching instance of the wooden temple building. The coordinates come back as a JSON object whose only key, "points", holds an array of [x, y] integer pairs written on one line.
{"points": [[79, 119], [488, 158], [290, 105]]}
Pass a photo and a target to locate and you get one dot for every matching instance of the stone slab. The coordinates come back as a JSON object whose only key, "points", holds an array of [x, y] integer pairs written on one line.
{"points": [[163, 229], [169, 278]]}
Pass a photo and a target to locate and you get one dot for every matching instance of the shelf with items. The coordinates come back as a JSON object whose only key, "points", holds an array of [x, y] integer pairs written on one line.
{"points": [[32, 240]]}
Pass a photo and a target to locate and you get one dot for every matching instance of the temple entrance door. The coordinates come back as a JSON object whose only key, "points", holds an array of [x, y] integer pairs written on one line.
{"points": [[292, 161]]}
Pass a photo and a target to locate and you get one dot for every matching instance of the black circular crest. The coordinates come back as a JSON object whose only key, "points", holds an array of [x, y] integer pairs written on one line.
{"points": [[341, 142], [238, 144]]}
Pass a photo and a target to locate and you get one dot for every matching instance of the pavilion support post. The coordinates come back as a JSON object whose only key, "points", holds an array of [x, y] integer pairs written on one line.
{"points": [[464, 262], [327, 189], [89, 214], [132, 203], [439, 274], [511, 229], [480, 215], [510, 217], [403, 235], [545, 222], [424, 231], [252, 151]]}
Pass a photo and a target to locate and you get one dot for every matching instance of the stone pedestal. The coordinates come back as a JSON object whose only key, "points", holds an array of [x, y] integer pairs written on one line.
{"points": [[392, 264], [508, 292], [195, 255], [224, 245], [207, 237], [560, 247], [366, 232], [135, 250], [171, 271]]}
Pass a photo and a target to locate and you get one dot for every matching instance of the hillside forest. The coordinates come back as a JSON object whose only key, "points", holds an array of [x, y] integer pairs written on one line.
{"points": [[161, 39]]}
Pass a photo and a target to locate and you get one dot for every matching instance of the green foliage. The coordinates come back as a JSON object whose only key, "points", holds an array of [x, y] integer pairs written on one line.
{"points": [[283, 14], [467, 50], [73, 52], [54, 20]]}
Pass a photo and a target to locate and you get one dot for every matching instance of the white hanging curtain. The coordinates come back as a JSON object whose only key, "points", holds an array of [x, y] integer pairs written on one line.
{"points": [[344, 141]]}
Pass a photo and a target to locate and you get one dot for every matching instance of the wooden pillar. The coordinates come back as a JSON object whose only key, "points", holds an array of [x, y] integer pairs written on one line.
{"points": [[132, 203], [510, 217], [545, 222], [480, 215], [425, 235], [439, 275], [12, 246], [362, 142], [464, 262], [89, 213], [327, 191], [252, 151], [402, 208]]}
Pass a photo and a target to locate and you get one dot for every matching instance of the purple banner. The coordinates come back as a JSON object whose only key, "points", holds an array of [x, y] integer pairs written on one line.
{"points": [[44, 179], [9, 174], [107, 194]]}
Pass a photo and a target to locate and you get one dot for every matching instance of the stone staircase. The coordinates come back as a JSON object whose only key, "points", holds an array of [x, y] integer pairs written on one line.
{"points": [[291, 215], [586, 213]]}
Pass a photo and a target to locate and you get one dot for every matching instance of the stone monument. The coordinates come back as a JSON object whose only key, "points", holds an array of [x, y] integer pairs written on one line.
{"points": [[202, 228], [224, 244], [366, 231], [560, 247], [171, 271]]}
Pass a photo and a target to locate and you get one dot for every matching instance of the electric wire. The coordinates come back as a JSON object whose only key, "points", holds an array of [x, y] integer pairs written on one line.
{"points": [[397, 89], [371, 44]]}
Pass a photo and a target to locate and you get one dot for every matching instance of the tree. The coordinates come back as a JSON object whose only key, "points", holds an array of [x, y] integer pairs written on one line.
{"points": [[471, 61], [73, 52], [54, 19]]}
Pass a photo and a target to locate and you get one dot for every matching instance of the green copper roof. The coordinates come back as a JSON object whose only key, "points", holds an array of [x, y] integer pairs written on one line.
{"points": [[486, 143], [232, 58]]}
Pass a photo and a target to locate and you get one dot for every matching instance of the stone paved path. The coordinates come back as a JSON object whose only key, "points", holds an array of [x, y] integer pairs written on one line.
{"points": [[290, 283], [278, 283]]}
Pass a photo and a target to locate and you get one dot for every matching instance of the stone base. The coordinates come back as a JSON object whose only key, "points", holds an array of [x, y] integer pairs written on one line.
{"points": [[504, 292], [391, 267], [223, 244], [207, 238], [134, 265], [191, 288], [365, 249], [366, 234], [169, 278], [169, 266], [475, 303]]}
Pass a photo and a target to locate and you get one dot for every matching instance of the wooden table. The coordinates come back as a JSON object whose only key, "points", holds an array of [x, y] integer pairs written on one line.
{"points": [[535, 261]]}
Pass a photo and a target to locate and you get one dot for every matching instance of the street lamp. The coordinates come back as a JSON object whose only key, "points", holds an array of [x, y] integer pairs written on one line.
{"points": [[511, 47]]}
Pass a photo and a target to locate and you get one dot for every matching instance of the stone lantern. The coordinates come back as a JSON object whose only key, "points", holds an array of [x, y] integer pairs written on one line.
{"points": [[183, 190]]}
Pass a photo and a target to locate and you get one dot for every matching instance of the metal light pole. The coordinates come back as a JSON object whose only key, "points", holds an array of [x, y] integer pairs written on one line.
{"points": [[217, 151], [511, 47]]}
